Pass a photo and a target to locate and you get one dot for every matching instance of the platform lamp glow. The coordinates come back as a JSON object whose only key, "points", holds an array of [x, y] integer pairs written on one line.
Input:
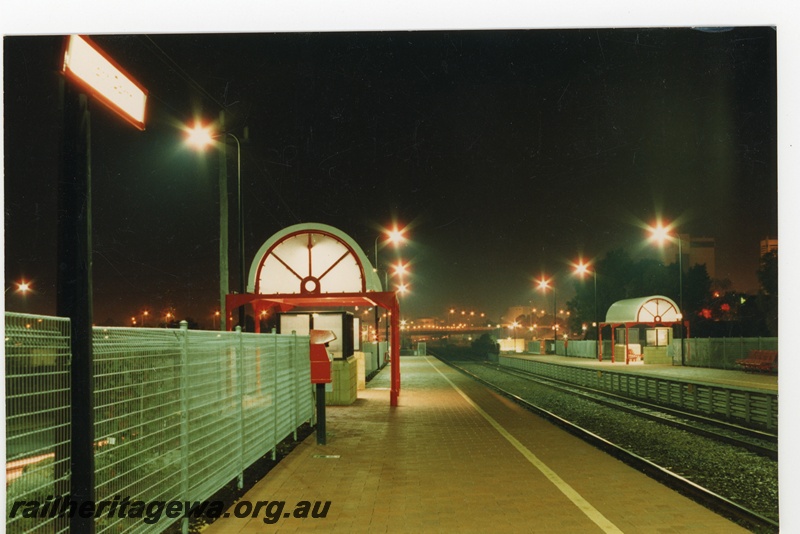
{"points": [[23, 287], [200, 137], [659, 234]]}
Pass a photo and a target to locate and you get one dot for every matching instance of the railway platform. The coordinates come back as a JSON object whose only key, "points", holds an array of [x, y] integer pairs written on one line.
{"points": [[456, 457], [723, 377]]}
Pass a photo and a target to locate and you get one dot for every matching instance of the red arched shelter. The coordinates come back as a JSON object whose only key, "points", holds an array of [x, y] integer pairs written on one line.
{"points": [[316, 265], [652, 311]]}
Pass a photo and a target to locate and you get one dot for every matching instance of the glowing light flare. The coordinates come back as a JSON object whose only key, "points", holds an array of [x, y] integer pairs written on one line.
{"points": [[90, 67], [396, 236], [199, 136], [543, 284], [400, 269], [582, 269], [24, 287], [660, 233]]}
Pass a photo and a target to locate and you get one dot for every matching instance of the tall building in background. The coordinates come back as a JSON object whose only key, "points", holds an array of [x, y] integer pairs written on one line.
{"points": [[768, 245], [695, 251], [702, 252]]}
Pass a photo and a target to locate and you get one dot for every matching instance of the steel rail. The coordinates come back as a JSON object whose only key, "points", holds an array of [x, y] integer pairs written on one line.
{"points": [[618, 402]]}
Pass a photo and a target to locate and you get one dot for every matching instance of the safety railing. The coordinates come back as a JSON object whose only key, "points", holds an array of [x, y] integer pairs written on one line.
{"points": [[37, 351], [178, 413]]}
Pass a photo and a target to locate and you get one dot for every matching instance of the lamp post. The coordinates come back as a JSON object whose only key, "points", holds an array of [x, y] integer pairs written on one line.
{"points": [[242, 275], [544, 285], [395, 236], [514, 325], [199, 137], [661, 233], [582, 269]]}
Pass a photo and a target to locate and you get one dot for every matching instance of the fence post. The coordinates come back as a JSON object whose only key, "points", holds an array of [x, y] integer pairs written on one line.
{"points": [[276, 365], [724, 363], [184, 344], [295, 396], [240, 391]]}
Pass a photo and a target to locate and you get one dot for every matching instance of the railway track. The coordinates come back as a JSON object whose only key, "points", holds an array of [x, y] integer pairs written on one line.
{"points": [[763, 443], [744, 515]]}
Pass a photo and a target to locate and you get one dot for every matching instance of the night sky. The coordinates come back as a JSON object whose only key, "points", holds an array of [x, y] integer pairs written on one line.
{"points": [[507, 154]]}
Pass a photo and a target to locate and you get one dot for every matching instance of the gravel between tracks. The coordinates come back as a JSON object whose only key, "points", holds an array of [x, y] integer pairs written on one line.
{"points": [[743, 477]]}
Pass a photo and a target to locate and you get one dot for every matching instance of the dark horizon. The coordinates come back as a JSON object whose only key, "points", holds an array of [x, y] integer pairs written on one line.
{"points": [[508, 154]]}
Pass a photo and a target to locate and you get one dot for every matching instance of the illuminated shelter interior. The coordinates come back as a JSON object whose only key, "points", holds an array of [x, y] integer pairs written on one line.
{"points": [[653, 311], [315, 265]]}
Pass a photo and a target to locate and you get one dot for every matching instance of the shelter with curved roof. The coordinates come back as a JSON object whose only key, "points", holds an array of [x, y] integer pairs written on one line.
{"points": [[656, 311], [316, 265]]}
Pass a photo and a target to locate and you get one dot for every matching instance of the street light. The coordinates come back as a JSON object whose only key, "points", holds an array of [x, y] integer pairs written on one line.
{"points": [[582, 269], [395, 236], [199, 137], [544, 285], [514, 325], [659, 234]]}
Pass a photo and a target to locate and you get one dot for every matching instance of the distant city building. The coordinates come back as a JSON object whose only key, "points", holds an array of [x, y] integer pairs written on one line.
{"points": [[768, 245]]}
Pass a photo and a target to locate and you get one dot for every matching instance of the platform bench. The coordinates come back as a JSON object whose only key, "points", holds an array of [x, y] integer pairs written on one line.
{"points": [[759, 360]]}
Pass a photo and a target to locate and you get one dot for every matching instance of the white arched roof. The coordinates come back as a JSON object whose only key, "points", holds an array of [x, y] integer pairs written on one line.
{"points": [[311, 258], [652, 309]]}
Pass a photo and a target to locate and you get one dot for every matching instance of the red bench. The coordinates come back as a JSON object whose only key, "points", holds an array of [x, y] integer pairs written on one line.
{"points": [[760, 360]]}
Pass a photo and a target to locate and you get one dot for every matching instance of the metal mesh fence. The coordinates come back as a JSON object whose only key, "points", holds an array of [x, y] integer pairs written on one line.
{"points": [[720, 353], [37, 352], [137, 400], [716, 353], [178, 413]]}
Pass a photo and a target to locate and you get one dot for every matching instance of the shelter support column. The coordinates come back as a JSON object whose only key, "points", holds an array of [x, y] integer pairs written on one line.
{"points": [[600, 343], [612, 343], [395, 387], [627, 338]]}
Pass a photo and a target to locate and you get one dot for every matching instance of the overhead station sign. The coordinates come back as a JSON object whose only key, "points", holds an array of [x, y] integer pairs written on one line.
{"points": [[90, 67]]}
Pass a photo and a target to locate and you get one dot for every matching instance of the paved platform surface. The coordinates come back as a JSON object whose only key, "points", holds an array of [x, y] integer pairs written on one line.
{"points": [[735, 378], [456, 457]]}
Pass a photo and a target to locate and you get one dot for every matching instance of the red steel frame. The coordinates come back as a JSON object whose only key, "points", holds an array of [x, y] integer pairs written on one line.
{"points": [[384, 299]]}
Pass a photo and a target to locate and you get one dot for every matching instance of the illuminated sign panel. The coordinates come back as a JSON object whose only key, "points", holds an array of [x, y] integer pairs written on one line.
{"points": [[90, 67]]}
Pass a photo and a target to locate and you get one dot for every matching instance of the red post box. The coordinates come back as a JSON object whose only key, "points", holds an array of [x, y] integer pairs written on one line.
{"points": [[320, 358]]}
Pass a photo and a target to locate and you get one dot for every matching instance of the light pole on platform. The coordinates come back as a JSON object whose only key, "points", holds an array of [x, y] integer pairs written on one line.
{"points": [[582, 269], [660, 233], [199, 137]]}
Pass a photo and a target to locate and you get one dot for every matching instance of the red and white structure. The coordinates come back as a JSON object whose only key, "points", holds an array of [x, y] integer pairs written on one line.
{"points": [[314, 265], [654, 311]]}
